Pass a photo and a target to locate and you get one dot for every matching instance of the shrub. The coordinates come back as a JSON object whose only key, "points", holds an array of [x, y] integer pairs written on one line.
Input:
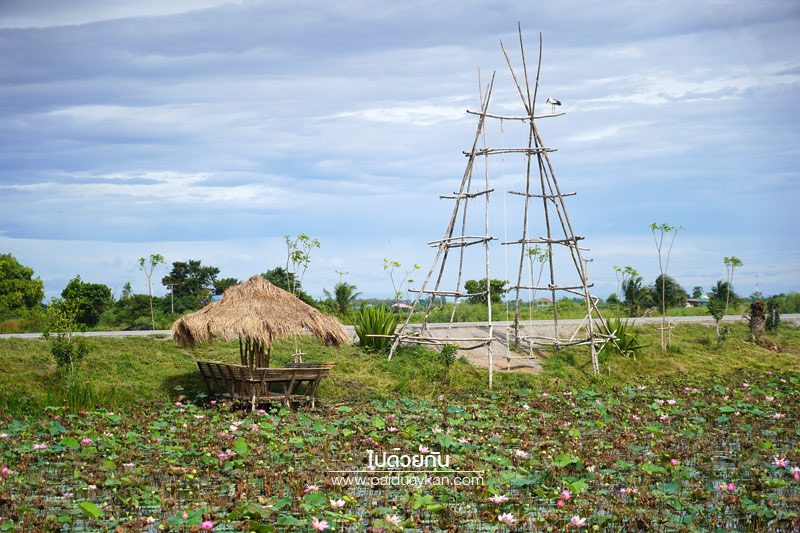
{"points": [[375, 321], [626, 340]]}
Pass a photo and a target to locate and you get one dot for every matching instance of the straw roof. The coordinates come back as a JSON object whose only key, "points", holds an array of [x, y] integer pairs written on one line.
{"points": [[260, 311]]}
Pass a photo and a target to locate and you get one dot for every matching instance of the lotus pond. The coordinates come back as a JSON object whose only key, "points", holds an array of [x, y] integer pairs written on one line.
{"points": [[669, 455]]}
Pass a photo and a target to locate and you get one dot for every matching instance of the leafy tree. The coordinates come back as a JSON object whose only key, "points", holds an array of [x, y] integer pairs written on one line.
{"points": [[127, 291], [92, 300], [612, 299], [623, 274], [61, 324], [343, 297], [716, 307], [148, 266], [673, 293], [192, 284], [697, 292], [280, 277], [221, 285], [19, 290], [135, 309], [478, 290]]}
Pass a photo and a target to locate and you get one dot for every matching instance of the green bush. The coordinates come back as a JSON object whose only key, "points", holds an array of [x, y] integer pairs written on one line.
{"points": [[375, 321], [626, 340]]}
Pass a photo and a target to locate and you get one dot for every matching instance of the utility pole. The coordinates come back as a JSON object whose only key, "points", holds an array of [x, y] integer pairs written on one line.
{"points": [[172, 296], [340, 275]]}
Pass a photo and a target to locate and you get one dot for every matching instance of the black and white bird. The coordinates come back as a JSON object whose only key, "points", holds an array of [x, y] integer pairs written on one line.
{"points": [[553, 103]]}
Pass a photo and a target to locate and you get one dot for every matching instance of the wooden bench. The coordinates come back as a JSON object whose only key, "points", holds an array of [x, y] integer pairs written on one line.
{"points": [[295, 383]]}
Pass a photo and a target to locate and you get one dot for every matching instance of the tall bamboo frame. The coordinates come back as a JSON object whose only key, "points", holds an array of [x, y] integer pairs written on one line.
{"points": [[540, 183]]}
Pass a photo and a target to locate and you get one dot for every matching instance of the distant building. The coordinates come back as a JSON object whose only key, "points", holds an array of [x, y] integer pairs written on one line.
{"points": [[697, 302], [542, 302]]}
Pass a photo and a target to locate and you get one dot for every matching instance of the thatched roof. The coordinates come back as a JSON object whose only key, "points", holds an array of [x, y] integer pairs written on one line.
{"points": [[259, 311]]}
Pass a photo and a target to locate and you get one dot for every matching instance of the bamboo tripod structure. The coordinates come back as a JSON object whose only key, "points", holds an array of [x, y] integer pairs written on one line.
{"points": [[540, 183]]}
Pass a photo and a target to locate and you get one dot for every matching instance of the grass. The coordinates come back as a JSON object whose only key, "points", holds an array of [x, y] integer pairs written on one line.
{"points": [[141, 370]]}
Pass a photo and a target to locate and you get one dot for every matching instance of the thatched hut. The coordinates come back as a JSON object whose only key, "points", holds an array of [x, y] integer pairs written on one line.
{"points": [[256, 312]]}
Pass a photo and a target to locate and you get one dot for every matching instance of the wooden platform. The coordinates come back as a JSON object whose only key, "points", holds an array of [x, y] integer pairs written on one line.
{"points": [[295, 383]]}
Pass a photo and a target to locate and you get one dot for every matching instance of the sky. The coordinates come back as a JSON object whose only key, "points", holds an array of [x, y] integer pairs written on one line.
{"points": [[209, 129]]}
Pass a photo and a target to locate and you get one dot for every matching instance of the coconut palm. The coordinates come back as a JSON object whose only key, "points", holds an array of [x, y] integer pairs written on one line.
{"points": [[343, 297]]}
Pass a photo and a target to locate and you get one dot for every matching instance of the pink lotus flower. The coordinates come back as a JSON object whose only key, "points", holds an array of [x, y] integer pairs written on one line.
{"points": [[3, 435], [566, 495], [185, 516], [674, 462], [660, 402], [40, 447], [731, 487], [337, 504], [178, 404], [254, 427], [319, 525], [393, 519], [507, 519], [86, 441], [560, 503], [577, 521], [778, 416], [5, 471], [545, 395], [498, 499], [423, 449], [462, 440], [392, 416], [521, 454], [213, 402], [261, 412], [671, 402], [391, 429], [310, 489], [769, 398], [779, 461], [629, 490], [795, 471], [207, 525], [128, 465], [526, 407], [664, 418], [150, 520]]}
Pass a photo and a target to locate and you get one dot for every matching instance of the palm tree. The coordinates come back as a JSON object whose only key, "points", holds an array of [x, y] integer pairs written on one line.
{"points": [[636, 296], [343, 297]]}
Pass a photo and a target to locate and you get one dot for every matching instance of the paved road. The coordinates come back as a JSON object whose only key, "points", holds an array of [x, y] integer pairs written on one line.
{"points": [[789, 318]]}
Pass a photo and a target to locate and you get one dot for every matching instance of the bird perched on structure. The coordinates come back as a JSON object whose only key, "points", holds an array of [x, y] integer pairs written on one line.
{"points": [[553, 103]]}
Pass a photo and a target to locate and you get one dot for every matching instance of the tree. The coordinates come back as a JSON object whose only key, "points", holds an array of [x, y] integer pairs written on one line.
{"points": [[148, 266], [343, 297], [91, 300], [19, 290], [392, 269], [61, 324], [623, 274], [731, 264], [221, 285], [697, 292], [279, 277], [477, 289], [717, 306], [661, 232], [672, 292], [637, 296], [127, 291], [191, 284]]}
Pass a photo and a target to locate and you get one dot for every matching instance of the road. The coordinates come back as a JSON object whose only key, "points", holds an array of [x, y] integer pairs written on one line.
{"points": [[793, 318]]}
